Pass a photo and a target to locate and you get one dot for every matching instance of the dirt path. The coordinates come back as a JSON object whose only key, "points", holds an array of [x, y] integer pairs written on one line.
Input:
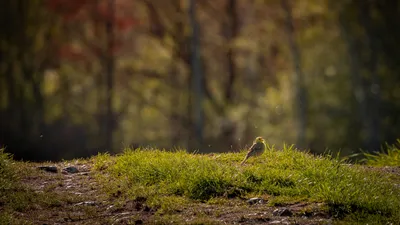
{"points": [[72, 199]]}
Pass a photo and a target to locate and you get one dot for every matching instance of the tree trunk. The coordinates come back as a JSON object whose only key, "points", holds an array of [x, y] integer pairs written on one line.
{"points": [[366, 89], [357, 81], [230, 37], [98, 27], [300, 97], [175, 95], [110, 76], [197, 76], [374, 93], [232, 30]]}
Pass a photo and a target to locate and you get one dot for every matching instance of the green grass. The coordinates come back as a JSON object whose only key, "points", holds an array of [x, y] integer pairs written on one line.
{"points": [[8, 178], [161, 176], [7, 174], [388, 157]]}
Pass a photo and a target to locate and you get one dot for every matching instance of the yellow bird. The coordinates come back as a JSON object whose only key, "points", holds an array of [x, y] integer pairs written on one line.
{"points": [[256, 149]]}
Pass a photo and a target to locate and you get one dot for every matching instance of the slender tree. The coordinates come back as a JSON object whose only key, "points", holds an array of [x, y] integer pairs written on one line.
{"points": [[197, 75], [363, 53], [374, 84], [358, 90], [300, 98], [231, 32], [109, 57]]}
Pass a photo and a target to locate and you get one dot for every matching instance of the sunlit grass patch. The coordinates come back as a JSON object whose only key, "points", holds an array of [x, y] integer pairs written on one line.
{"points": [[283, 174], [176, 173], [388, 157]]}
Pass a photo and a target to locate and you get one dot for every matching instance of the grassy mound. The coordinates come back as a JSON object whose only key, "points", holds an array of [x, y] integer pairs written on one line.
{"points": [[162, 176]]}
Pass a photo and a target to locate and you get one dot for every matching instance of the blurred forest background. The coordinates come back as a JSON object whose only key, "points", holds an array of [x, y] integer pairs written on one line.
{"points": [[79, 77]]}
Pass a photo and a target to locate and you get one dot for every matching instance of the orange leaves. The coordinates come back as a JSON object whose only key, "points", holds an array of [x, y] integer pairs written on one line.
{"points": [[70, 52], [68, 9], [125, 23], [84, 10], [83, 17]]}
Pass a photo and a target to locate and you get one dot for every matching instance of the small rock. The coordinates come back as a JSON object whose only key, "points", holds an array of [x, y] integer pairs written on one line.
{"points": [[282, 212], [90, 203], [71, 169], [51, 169], [139, 222], [253, 201], [321, 214]]}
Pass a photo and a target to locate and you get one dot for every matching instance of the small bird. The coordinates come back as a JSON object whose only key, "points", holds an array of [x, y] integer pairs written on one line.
{"points": [[256, 149]]}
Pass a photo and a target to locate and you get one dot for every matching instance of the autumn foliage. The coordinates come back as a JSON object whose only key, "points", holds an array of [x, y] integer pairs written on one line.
{"points": [[97, 13]]}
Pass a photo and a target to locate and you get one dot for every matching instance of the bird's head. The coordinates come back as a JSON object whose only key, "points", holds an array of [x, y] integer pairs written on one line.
{"points": [[259, 140]]}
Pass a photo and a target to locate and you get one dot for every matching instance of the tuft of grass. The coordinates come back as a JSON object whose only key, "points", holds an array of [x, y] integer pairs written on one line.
{"points": [[283, 174], [388, 157], [10, 198], [102, 161], [7, 172]]}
